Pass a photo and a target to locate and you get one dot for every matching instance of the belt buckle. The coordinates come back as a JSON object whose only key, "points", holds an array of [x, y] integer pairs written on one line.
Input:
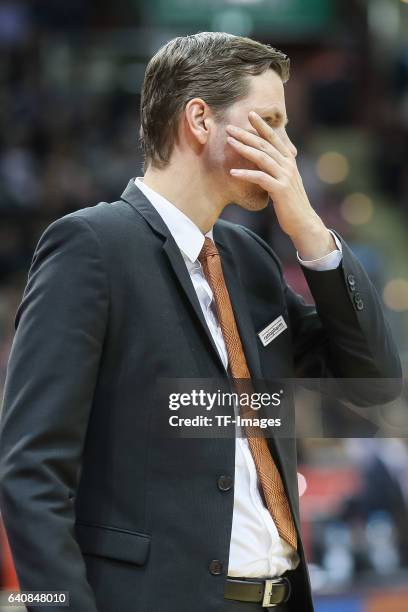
{"points": [[266, 602]]}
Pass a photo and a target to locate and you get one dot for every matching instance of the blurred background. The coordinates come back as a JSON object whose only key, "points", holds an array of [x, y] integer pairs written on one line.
{"points": [[70, 77]]}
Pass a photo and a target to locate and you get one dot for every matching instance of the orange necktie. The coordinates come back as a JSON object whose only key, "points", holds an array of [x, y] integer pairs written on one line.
{"points": [[268, 474]]}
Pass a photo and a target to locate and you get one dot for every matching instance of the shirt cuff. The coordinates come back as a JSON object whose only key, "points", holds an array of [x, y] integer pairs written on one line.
{"points": [[327, 262]]}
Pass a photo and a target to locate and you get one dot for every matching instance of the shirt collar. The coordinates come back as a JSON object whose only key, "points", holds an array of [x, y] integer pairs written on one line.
{"points": [[188, 236]]}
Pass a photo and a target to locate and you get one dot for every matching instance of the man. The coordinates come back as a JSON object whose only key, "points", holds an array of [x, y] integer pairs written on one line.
{"points": [[153, 286]]}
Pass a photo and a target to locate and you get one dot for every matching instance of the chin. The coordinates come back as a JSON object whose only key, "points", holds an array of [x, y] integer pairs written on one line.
{"points": [[253, 199]]}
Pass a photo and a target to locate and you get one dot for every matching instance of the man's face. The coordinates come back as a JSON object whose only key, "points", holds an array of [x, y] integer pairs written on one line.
{"points": [[266, 97]]}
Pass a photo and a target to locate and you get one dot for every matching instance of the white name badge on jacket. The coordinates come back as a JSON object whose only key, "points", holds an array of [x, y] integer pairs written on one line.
{"points": [[272, 330]]}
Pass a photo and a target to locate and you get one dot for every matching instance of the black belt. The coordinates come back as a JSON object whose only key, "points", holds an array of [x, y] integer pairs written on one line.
{"points": [[268, 592]]}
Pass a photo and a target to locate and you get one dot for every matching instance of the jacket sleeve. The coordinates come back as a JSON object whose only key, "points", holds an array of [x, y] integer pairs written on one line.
{"points": [[345, 334], [53, 365]]}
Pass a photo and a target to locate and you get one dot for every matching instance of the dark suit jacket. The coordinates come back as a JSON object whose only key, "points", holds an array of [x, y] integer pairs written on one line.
{"points": [[93, 502]]}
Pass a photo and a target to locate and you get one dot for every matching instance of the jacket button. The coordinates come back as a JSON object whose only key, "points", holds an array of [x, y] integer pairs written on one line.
{"points": [[358, 301], [215, 567], [351, 282], [225, 483]]}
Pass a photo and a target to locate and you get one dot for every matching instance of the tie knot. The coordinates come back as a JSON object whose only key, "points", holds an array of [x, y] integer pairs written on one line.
{"points": [[208, 249]]}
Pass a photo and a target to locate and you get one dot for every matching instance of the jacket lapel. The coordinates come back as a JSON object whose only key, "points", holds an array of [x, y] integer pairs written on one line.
{"points": [[179, 267], [143, 206]]}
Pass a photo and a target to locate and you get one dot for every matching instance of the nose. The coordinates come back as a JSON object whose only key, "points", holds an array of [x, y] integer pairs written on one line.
{"points": [[290, 144], [293, 149]]}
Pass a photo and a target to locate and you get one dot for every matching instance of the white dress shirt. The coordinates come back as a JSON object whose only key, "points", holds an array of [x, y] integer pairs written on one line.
{"points": [[256, 549]]}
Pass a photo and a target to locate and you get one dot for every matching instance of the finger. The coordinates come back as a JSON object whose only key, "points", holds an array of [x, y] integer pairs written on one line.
{"points": [[264, 180], [254, 140], [268, 133], [261, 159]]}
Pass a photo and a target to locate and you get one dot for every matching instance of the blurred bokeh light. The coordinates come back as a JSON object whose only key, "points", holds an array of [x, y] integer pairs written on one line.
{"points": [[332, 167], [357, 208], [396, 294]]}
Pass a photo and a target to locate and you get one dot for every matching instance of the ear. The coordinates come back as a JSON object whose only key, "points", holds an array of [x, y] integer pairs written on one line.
{"points": [[198, 119]]}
